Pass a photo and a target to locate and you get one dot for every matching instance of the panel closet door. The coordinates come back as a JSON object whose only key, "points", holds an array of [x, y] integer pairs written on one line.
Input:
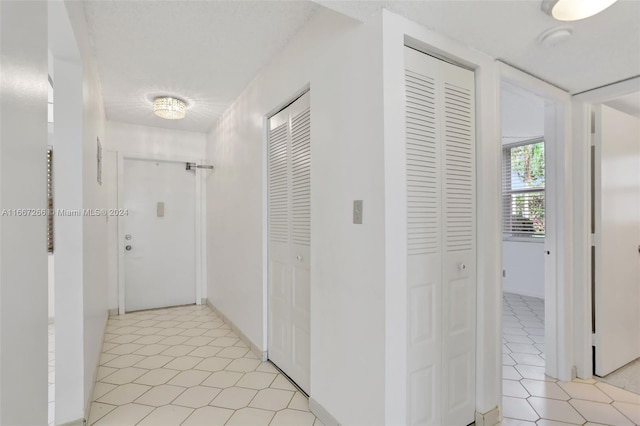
{"points": [[289, 222], [441, 269]]}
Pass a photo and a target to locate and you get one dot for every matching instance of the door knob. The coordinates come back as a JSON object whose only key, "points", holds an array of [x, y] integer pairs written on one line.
{"points": [[462, 266], [127, 237], [127, 248], [298, 257]]}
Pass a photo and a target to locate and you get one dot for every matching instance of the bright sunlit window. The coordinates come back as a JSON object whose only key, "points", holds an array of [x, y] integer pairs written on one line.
{"points": [[523, 190]]}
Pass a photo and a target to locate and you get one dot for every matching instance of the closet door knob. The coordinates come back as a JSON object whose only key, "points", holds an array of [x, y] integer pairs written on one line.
{"points": [[462, 266]]}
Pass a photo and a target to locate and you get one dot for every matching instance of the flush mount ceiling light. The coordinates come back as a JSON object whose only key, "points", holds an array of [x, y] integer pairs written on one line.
{"points": [[574, 10], [169, 108]]}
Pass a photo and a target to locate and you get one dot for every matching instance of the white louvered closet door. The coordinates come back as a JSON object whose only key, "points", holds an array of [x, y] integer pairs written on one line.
{"points": [[289, 204], [441, 270]]}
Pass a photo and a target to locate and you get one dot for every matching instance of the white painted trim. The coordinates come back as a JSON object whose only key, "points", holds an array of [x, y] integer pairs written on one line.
{"points": [[581, 156], [321, 413], [262, 355], [558, 276], [198, 234], [490, 418], [120, 235], [87, 403], [200, 219], [77, 422], [265, 232]]}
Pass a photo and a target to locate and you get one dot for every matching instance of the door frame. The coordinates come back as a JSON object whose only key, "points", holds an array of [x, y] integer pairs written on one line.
{"points": [[557, 287], [582, 314], [200, 242], [265, 214]]}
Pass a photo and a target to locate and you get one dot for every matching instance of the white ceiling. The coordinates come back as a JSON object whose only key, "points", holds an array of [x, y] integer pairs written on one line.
{"points": [[603, 49], [205, 52], [208, 51]]}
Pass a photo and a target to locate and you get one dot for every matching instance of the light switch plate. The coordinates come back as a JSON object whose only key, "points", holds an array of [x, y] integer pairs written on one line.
{"points": [[357, 212]]}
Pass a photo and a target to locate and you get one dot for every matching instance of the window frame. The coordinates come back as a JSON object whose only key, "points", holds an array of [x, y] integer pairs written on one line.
{"points": [[507, 193]]}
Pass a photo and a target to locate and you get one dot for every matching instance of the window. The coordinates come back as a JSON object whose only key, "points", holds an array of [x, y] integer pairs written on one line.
{"points": [[523, 189]]}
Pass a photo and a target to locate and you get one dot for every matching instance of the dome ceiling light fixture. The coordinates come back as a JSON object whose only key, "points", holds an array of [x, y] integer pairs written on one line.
{"points": [[574, 10], [169, 108]]}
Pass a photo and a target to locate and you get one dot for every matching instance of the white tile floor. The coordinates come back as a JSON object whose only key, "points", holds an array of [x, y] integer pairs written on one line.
{"points": [[52, 373], [531, 398], [185, 366]]}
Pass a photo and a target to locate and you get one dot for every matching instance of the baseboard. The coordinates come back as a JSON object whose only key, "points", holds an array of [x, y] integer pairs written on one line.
{"points": [[490, 418], [79, 422], [87, 404], [113, 312], [321, 413], [262, 355]]}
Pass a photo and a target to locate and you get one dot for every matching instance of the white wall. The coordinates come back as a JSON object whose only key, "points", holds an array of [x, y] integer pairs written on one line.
{"points": [[23, 248], [94, 228], [154, 141], [146, 141], [523, 261], [342, 62], [524, 268]]}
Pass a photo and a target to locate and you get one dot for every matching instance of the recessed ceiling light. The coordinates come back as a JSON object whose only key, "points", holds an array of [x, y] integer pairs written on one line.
{"points": [[554, 36], [574, 10], [169, 108]]}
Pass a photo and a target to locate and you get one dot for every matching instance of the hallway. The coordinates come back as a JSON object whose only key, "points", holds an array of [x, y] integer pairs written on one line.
{"points": [[185, 366], [532, 398]]}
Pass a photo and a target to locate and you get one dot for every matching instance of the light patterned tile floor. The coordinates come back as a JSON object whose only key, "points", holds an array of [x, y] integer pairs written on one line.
{"points": [[531, 398], [185, 366]]}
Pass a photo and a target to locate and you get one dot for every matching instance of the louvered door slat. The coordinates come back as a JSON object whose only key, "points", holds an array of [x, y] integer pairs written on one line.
{"points": [[301, 177], [458, 135], [278, 185], [422, 163]]}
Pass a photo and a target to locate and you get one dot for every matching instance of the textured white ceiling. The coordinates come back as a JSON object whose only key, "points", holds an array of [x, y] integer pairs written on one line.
{"points": [[603, 49], [205, 52]]}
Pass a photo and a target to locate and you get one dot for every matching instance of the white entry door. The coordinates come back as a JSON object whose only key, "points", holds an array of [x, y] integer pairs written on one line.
{"points": [[158, 234], [617, 239], [289, 240]]}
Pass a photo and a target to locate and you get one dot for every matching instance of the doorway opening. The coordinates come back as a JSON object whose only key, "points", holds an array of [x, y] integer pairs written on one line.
{"points": [[524, 181], [615, 228]]}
